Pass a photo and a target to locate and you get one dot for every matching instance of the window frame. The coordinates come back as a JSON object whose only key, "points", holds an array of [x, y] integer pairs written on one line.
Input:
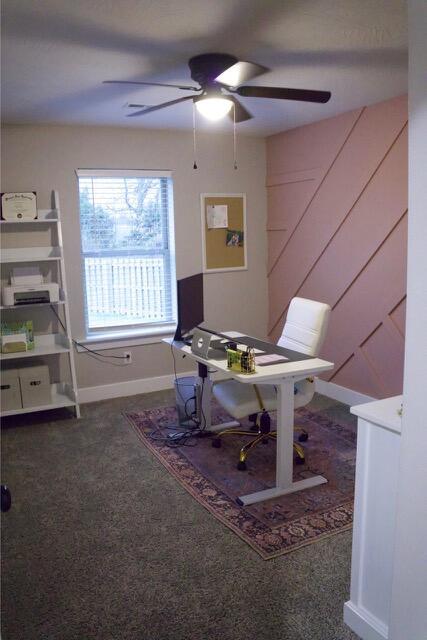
{"points": [[136, 333]]}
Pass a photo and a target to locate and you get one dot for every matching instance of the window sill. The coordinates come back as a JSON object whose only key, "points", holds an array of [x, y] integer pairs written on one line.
{"points": [[126, 338]]}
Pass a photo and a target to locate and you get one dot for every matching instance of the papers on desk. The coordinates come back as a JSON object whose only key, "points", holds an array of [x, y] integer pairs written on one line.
{"points": [[270, 358]]}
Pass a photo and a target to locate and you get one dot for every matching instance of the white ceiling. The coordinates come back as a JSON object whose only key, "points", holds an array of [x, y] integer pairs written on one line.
{"points": [[55, 54]]}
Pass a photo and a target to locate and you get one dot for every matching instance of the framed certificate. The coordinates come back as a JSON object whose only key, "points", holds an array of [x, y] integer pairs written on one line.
{"points": [[19, 206]]}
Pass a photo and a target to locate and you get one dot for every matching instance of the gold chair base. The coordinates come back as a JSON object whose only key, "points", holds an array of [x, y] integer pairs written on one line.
{"points": [[258, 437], [247, 447], [299, 450]]}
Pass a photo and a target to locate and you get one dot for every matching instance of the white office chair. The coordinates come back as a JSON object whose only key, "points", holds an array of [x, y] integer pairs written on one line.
{"points": [[304, 331]]}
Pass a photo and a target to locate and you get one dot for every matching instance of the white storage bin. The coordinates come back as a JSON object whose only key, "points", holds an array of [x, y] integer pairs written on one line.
{"points": [[35, 385], [10, 390]]}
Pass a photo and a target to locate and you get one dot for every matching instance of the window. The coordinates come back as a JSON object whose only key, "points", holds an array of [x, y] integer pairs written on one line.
{"points": [[126, 223]]}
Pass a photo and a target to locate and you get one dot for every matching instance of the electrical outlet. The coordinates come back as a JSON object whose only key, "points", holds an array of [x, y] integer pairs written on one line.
{"points": [[128, 356]]}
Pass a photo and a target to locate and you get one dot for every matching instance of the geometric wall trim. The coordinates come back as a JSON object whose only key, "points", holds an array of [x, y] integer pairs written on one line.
{"points": [[337, 228]]}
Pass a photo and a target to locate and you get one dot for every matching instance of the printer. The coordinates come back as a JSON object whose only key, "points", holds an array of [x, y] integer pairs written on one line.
{"points": [[27, 287]]}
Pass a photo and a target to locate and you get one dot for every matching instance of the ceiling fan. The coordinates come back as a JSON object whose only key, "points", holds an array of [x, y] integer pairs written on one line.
{"points": [[217, 73]]}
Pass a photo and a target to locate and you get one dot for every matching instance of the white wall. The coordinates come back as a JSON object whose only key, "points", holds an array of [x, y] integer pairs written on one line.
{"points": [[43, 158], [409, 595]]}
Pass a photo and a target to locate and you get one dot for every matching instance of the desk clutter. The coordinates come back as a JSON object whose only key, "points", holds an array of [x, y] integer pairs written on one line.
{"points": [[28, 386], [241, 360], [243, 353]]}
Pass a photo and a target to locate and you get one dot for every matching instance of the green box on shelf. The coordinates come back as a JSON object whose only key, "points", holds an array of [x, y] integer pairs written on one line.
{"points": [[17, 328]]}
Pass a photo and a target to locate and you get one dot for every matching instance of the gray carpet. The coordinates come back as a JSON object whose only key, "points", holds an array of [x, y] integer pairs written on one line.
{"points": [[102, 543]]}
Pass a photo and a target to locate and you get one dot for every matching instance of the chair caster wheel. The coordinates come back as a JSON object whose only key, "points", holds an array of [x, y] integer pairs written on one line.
{"points": [[216, 443], [6, 498], [241, 466], [303, 437], [264, 422], [299, 460]]}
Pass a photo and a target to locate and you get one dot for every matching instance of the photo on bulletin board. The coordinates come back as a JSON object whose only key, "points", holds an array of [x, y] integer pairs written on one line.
{"points": [[224, 232]]}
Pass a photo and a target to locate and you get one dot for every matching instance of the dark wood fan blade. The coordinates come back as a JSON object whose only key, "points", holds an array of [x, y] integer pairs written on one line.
{"points": [[152, 84], [242, 114], [240, 72], [156, 107], [305, 95]]}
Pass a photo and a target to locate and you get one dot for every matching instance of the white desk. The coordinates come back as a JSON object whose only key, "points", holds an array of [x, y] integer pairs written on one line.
{"points": [[283, 376]]}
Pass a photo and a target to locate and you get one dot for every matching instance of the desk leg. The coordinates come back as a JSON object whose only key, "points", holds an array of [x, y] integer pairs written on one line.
{"points": [[284, 456], [285, 434], [205, 411], [204, 400]]}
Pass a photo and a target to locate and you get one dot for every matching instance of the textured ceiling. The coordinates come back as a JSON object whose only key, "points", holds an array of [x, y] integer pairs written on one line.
{"points": [[55, 54]]}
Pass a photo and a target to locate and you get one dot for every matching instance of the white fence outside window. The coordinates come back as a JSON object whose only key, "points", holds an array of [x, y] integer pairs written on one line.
{"points": [[128, 289]]}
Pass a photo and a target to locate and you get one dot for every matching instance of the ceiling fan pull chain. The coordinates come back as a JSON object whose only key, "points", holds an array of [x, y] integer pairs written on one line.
{"points": [[234, 136], [194, 138]]}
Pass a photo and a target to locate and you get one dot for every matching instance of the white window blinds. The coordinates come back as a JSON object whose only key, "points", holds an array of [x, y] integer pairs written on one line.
{"points": [[126, 223]]}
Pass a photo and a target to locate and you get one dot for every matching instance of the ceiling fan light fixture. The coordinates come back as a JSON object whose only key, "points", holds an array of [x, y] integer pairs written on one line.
{"points": [[213, 108]]}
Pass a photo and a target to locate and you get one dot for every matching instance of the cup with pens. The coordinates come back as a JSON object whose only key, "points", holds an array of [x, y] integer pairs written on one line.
{"points": [[242, 361]]}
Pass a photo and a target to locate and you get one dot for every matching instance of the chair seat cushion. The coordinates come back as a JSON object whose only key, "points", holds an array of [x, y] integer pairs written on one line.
{"points": [[240, 400]]}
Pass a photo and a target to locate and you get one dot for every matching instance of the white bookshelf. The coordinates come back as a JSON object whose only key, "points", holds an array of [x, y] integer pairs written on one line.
{"points": [[30, 254], [43, 216], [63, 393], [44, 345]]}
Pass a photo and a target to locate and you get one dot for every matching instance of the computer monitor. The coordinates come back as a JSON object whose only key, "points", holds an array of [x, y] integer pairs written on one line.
{"points": [[190, 305]]}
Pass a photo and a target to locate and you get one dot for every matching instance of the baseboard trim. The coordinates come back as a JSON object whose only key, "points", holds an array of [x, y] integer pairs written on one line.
{"points": [[342, 394], [127, 388], [134, 387], [159, 383], [363, 623]]}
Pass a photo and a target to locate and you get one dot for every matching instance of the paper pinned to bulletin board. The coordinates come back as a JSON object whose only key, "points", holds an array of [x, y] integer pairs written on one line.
{"points": [[217, 216], [224, 231]]}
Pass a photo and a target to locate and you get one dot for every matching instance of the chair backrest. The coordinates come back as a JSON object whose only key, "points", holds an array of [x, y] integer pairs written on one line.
{"points": [[305, 326]]}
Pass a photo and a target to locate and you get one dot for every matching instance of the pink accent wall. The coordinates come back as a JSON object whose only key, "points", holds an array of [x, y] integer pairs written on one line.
{"points": [[336, 226]]}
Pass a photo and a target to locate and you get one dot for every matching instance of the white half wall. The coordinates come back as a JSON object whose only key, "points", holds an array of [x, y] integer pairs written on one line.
{"points": [[409, 593]]}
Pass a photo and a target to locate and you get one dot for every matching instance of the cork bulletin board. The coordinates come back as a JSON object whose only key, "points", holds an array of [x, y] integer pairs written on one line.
{"points": [[224, 231]]}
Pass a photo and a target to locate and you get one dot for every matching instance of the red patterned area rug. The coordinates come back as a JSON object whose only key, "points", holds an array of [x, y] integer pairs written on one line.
{"points": [[279, 525]]}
